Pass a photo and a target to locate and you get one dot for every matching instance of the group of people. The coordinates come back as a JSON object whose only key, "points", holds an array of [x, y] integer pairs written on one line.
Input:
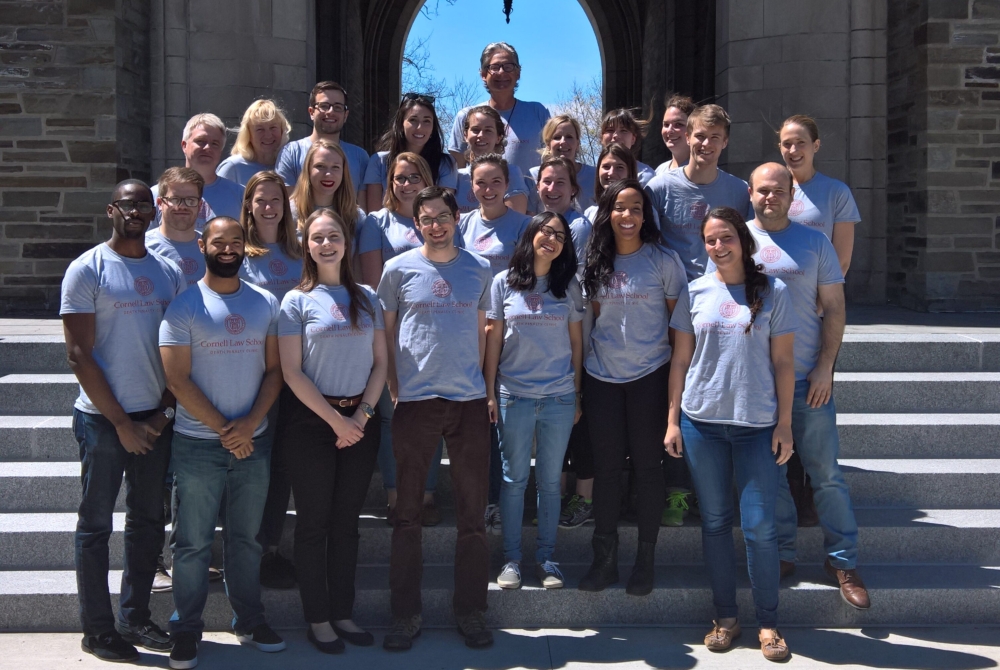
{"points": [[289, 318]]}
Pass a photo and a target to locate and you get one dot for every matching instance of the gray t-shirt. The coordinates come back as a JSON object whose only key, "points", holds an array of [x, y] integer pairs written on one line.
{"points": [[629, 338], [292, 159], [667, 166], [227, 335], [336, 356], [224, 197], [645, 173], [240, 170], [524, 122], [580, 228], [682, 205], [804, 259], [127, 297], [466, 198], [821, 202], [493, 240], [537, 358], [437, 305], [187, 255], [731, 377], [377, 165], [397, 233], [274, 271]]}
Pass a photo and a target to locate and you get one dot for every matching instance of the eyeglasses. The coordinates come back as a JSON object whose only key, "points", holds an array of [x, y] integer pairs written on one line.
{"points": [[549, 231], [441, 219], [418, 97], [327, 107], [402, 179], [141, 206], [495, 68], [189, 201]]}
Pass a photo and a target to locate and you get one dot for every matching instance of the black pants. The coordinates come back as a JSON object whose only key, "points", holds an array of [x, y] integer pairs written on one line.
{"points": [[279, 488], [330, 486], [628, 419], [579, 457]]}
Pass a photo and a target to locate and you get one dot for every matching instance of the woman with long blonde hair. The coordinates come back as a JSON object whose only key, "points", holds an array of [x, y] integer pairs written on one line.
{"points": [[263, 133]]}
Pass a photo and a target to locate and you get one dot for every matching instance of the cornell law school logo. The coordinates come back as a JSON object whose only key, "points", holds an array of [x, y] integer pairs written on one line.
{"points": [[698, 210], [483, 243], [770, 254], [143, 285], [534, 302], [235, 324], [278, 267], [796, 208], [189, 266], [729, 309], [411, 236], [336, 312], [618, 279], [441, 288]]}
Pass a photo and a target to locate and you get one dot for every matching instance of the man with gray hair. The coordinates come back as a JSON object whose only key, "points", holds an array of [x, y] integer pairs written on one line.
{"points": [[500, 69]]}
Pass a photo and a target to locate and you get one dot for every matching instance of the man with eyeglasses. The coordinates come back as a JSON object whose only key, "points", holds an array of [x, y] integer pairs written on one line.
{"points": [[113, 298], [328, 111], [178, 200], [434, 300], [500, 69]]}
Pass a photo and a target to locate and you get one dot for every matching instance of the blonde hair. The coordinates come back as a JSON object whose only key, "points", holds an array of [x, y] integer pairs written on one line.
{"points": [[259, 111], [390, 201], [345, 200], [549, 131], [255, 246]]}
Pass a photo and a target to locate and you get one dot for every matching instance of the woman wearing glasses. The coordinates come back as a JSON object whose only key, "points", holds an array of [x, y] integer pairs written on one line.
{"points": [[263, 133], [414, 129], [485, 133], [500, 70]]}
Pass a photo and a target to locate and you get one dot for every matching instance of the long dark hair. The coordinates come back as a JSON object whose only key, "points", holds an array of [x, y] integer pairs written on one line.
{"points": [[601, 251], [521, 276], [755, 284], [310, 272], [393, 139], [621, 153]]}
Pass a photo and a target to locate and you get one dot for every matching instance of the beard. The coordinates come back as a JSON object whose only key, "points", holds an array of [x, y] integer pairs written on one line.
{"points": [[223, 270]]}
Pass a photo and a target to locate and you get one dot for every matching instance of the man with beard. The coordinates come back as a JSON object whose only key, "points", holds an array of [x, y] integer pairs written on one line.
{"points": [[178, 200], [113, 298], [328, 111], [219, 346]]}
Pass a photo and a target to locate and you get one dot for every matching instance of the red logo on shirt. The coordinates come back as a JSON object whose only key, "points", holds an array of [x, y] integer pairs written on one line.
{"points": [[729, 309], [483, 243], [441, 288], [411, 236], [618, 279], [336, 313], [698, 210], [277, 267], [189, 266], [770, 254], [235, 324], [143, 285], [796, 208], [534, 302]]}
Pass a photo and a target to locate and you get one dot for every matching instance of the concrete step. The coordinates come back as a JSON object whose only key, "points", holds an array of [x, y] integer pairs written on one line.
{"points": [[901, 595], [33, 353], [44, 541], [38, 394], [920, 352], [916, 392], [38, 438]]}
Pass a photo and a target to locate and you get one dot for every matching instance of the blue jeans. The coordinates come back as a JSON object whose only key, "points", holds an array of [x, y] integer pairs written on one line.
{"points": [[103, 461], [204, 473], [713, 451], [549, 421], [386, 460], [818, 445]]}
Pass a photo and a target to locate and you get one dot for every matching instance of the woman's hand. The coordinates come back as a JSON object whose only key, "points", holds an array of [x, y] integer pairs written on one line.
{"points": [[348, 430], [579, 409], [673, 442], [493, 408], [781, 443]]}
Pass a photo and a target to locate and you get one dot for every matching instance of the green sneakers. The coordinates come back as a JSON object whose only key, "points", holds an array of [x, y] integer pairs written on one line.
{"points": [[676, 509]]}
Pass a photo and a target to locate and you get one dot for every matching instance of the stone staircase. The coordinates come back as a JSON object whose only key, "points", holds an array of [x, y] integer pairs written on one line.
{"points": [[919, 423]]}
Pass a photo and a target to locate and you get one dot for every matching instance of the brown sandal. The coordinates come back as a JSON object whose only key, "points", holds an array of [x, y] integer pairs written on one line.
{"points": [[720, 638], [772, 645]]}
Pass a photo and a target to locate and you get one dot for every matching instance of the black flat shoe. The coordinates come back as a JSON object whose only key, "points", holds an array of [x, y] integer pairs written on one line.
{"points": [[335, 647], [362, 639]]}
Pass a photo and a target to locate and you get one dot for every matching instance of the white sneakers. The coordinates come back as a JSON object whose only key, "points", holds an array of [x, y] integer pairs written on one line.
{"points": [[548, 574], [510, 576]]}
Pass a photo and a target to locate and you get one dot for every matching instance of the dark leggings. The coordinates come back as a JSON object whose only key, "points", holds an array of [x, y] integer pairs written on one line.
{"points": [[579, 453], [628, 419]]}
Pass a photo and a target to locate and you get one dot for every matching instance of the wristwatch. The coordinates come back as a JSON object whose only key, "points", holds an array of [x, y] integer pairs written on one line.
{"points": [[367, 410], [169, 413]]}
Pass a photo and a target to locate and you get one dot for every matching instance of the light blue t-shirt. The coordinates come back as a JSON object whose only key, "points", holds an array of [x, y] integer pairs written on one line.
{"points": [[188, 257], [240, 170], [292, 159], [127, 297], [821, 202], [537, 357], [629, 337], [227, 335], [580, 228], [377, 165], [493, 240], [397, 233], [731, 377], [682, 205], [586, 179], [644, 173], [336, 356], [804, 259], [274, 271], [205, 213], [224, 197], [437, 305], [467, 198], [524, 121], [667, 166]]}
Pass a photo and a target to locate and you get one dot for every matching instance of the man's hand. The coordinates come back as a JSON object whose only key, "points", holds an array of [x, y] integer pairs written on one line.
{"points": [[136, 436], [820, 387], [237, 432], [243, 450]]}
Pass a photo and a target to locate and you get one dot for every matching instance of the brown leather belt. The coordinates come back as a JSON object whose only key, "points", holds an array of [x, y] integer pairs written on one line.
{"points": [[343, 402]]}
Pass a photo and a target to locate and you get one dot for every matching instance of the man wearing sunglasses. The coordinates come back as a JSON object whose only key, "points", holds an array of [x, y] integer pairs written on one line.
{"points": [[500, 70], [328, 111], [178, 200], [113, 298]]}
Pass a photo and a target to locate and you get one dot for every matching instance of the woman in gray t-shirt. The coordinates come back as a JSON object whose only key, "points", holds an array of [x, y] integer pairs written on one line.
{"points": [[731, 388]]}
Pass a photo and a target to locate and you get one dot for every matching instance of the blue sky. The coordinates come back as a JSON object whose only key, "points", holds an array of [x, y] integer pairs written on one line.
{"points": [[554, 39]]}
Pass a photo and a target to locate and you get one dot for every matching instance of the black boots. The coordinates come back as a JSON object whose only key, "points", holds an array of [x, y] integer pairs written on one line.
{"points": [[604, 570], [640, 583]]}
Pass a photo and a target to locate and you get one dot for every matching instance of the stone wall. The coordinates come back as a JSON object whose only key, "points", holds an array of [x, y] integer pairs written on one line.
{"points": [[944, 154]]}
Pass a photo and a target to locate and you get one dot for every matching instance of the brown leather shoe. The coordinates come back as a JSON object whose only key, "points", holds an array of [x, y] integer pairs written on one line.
{"points": [[721, 639], [772, 645], [787, 568], [852, 589], [430, 515]]}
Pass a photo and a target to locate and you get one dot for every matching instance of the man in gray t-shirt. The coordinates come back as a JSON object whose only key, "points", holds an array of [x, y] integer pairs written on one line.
{"points": [[113, 297], [220, 354], [806, 261], [178, 199], [434, 300]]}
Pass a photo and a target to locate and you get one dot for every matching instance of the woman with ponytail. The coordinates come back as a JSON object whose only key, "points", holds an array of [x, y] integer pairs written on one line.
{"points": [[732, 381]]}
